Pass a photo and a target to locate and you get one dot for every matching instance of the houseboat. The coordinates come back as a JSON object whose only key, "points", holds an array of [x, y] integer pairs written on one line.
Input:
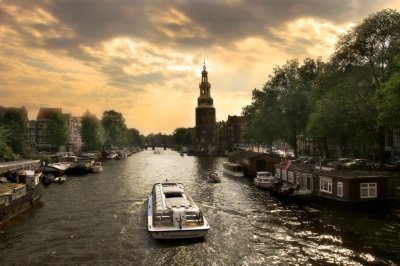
{"points": [[253, 162], [20, 188], [172, 213], [233, 169], [263, 179], [340, 186], [56, 169]]}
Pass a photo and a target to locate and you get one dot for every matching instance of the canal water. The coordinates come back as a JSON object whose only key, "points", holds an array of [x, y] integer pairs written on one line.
{"points": [[100, 219]]}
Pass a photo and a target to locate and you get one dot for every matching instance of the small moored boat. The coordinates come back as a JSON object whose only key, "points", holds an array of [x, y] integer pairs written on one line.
{"points": [[173, 214], [233, 169], [59, 179], [96, 167], [263, 180]]}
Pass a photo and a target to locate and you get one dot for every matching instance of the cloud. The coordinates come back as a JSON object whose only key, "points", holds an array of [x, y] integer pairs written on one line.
{"points": [[144, 57]]}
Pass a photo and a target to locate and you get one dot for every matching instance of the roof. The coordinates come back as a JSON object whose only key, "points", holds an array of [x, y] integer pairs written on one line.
{"points": [[22, 110], [245, 154], [46, 113], [234, 119], [343, 174]]}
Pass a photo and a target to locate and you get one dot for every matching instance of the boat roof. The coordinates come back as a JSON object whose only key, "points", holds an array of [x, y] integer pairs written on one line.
{"points": [[174, 195], [240, 154], [6, 188], [234, 164]]}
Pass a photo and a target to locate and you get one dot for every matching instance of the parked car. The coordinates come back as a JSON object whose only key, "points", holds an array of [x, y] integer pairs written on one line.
{"points": [[340, 163], [393, 164], [359, 164], [305, 160]]}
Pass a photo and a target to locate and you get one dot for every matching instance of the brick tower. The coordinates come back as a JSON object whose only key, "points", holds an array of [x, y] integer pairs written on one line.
{"points": [[205, 114]]}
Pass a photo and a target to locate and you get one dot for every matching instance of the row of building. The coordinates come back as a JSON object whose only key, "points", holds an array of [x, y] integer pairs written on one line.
{"points": [[36, 136]]}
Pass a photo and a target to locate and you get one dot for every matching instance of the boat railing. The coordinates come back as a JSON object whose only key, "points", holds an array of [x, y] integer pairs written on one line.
{"points": [[194, 218], [163, 218]]}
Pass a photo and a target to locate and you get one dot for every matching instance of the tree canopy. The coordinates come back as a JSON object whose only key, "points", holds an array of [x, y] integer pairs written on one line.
{"points": [[92, 132], [57, 130], [346, 102], [15, 125], [115, 129]]}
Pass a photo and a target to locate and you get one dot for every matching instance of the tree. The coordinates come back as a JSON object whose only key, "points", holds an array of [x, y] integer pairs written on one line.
{"points": [[280, 110], [92, 132], [114, 128], [4, 134], [57, 130], [367, 57], [182, 136], [134, 137], [16, 124], [388, 99], [6, 152], [261, 120]]}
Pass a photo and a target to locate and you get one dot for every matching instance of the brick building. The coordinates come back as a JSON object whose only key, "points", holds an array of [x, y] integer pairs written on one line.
{"points": [[205, 115]]}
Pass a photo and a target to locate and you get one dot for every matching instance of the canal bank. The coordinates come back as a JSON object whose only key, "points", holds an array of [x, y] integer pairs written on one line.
{"points": [[100, 219]]}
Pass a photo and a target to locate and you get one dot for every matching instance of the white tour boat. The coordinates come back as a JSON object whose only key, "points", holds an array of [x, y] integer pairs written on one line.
{"points": [[263, 180], [233, 169], [173, 214]]}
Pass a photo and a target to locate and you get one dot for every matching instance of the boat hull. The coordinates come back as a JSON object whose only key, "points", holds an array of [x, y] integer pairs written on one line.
{"points": [[232, 173], [173, 232], [265, 185], [181, 234], [20, 205], [233, 169]]}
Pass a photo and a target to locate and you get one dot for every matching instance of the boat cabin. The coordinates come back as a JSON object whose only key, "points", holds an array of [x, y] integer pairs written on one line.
{"points": [[344, 186], [254, 162]]}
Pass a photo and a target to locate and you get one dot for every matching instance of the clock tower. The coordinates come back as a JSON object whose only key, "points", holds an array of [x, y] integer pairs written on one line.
{"points": [[205, 114]]}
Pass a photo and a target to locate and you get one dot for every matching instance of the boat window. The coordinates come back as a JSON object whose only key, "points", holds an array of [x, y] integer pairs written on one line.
{"points": [[173, 195]]}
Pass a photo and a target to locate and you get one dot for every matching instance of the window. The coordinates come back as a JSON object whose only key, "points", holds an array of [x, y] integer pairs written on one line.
{"points": [[340, 189], [284, 175], [325, 184], [368, 190], [290, 177]]}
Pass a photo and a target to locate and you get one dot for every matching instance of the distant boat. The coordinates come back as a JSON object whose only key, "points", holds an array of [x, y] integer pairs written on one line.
{"points": [[79, 168], [233, 169], [96, 167], [59, 179], [57, 169], [112, 155], [213, 178], [263, 180], [173, 214]]}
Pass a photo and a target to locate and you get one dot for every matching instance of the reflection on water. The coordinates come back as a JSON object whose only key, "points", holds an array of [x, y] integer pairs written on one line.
{"points": [[100, 219]]}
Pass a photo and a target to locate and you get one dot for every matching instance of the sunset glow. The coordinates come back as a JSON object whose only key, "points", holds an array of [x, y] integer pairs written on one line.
{"points": [[144, 58]]}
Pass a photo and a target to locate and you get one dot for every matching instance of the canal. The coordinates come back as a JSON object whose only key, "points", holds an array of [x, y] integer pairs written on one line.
{"points": [[100, 219]]}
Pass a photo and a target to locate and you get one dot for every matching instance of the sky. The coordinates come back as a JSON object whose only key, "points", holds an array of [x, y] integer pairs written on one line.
{"points": [[144, 58]]}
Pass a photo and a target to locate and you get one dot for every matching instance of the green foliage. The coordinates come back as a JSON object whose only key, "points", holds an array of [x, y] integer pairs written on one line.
{"points": [[4, 135], [114, 128], [134, 137], [6, 153], [92, 132], [57, 130], [182, 136], [16, 127], [389, 103], [280, 111]]}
